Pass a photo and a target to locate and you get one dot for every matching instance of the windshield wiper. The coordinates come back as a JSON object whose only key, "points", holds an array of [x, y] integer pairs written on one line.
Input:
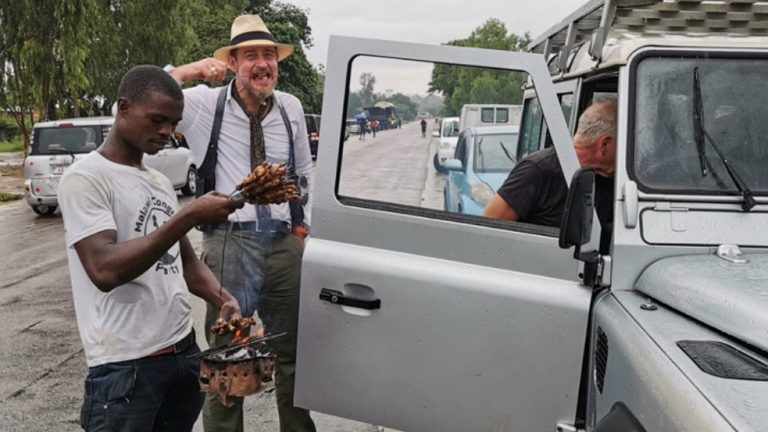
{"points": [[506, 151], [58, 151], [700, 135]]}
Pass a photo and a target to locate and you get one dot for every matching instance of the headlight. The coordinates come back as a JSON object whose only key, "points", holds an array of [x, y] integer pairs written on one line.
{"points": [[481, 192]]}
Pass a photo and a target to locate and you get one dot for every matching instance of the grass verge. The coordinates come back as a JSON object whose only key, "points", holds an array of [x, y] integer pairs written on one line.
{"points": [[7, 196], [11, 146]]}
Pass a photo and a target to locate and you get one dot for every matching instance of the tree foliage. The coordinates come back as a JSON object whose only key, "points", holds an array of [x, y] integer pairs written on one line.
{"points": [[462, 85], [65, 58], [365, 97], [367, 88]]}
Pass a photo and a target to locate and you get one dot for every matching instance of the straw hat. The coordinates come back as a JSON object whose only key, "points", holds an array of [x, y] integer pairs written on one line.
{"points": [[250, 30]]}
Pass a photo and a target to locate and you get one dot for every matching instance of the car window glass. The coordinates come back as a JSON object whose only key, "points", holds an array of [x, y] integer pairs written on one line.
{"points": [[566, 104], [502, 115], [727, 97], [450, 127], [461, 150], [530, 130], [486, 115], [493, 152], [399, 168], [68, 139]]}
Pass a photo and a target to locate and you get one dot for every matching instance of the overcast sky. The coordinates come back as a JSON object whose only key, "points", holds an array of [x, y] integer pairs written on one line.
{"points": [[423, 21]]}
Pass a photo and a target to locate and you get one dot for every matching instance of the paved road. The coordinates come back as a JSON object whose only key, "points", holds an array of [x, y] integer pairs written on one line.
{"points": [[394, 167]]}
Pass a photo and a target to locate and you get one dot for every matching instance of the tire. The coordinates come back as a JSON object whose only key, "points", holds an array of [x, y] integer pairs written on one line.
{"points": [[190, 188], [439, 168], [44, 210]]}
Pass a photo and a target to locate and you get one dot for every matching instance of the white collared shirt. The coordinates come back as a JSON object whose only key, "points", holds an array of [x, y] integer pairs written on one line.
{"points": [[234, 160]]}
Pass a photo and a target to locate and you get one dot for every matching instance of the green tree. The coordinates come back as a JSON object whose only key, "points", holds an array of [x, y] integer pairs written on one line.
{"points": [[462, 85], [354, 104], [66, 57], [406, 109], [287, 23], [367, 86]]}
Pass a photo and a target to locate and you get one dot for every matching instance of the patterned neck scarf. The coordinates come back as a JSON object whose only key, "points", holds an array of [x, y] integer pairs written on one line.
{"points": [[258, 152]]}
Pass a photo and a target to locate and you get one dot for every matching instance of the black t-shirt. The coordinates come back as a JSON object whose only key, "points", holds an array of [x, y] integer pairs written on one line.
{"points": [[536, 189]]}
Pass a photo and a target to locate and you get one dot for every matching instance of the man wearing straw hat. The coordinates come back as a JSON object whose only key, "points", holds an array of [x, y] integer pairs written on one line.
{"points": [[257, 254]]}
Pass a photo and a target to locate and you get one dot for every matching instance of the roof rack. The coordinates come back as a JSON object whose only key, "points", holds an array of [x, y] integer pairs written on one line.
{"points": [[593, 21]]}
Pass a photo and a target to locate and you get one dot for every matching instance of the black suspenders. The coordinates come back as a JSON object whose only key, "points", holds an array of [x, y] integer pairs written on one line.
{"points": [[206, 174]]}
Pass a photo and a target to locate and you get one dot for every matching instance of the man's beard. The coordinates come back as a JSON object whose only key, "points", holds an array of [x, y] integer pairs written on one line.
{"points": [[258, 93]]}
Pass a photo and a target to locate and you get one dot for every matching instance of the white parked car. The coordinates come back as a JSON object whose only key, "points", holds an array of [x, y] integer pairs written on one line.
{"points": [[447, 136], [57, 144]]}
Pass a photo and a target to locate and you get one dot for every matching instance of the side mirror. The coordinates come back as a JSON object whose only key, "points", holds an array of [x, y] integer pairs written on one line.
{"points": [[436, 134], [453, 165], [576, 225]]}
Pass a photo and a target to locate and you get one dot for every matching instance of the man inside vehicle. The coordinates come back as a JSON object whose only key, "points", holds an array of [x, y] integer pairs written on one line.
{"points": [[535, 190]]}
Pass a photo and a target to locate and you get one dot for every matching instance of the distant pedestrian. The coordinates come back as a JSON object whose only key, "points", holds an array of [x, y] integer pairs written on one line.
{"points": [[363, 129], [423, 128], [374, 127]]}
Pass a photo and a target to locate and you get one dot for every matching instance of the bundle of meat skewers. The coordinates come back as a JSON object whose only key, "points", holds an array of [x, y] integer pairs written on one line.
{"points": [[234, 325], [267, 184]]}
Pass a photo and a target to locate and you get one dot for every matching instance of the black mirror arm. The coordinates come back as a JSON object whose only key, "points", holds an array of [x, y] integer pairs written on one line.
{"points": [[591, 274]]}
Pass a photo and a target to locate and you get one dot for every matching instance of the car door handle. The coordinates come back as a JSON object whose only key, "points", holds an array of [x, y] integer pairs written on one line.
{"points": [[337, 297]]}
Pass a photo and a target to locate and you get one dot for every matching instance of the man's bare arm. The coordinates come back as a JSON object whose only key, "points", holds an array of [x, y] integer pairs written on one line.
{"points": [[110, 263], [497, 208]]}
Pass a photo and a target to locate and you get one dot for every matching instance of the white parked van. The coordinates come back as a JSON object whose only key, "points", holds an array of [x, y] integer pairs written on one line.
{"points": [[57, 144], [477, 115]]}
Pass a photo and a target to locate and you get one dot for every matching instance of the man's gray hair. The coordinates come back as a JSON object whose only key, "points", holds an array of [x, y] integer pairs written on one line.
{"points": [[598, 119]]}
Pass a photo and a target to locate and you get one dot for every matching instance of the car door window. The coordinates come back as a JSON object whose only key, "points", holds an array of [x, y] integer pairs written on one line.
{"points": [[566, 104], [461, 150], [373, 171], [530, 131]]}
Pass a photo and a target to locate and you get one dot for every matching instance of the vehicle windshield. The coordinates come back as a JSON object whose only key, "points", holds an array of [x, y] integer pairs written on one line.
{"points": [[450, 128], [75, 139], [495, 152], [734, 114]]}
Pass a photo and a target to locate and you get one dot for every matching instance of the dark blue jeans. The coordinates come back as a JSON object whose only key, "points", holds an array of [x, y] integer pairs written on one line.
{"points": [[159, 393]]}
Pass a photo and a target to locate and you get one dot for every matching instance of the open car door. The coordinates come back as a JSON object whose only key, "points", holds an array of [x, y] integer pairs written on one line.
{"points": [[419, 319]]}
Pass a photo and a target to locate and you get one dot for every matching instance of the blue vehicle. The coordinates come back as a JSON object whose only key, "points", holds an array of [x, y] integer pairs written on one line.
{"points": [[484, 157]]}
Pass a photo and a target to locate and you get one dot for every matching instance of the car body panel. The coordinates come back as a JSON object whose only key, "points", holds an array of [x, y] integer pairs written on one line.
{"points": [[645, 369], [459, 183], [447, 136], [414, 363]]}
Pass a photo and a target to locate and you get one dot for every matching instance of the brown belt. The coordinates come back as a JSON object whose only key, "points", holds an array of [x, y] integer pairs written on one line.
{"points": [[179, 346]]}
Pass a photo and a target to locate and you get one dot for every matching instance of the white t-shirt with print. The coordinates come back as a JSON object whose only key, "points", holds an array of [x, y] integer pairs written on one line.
{"points": [[150, 312]]}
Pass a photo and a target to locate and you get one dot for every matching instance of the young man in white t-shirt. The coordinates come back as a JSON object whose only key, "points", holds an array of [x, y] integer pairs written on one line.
{"points": [[132, 267]]}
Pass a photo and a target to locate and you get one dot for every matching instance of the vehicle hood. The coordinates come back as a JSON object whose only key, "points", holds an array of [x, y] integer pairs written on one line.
{"points": [[728, 296]]}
